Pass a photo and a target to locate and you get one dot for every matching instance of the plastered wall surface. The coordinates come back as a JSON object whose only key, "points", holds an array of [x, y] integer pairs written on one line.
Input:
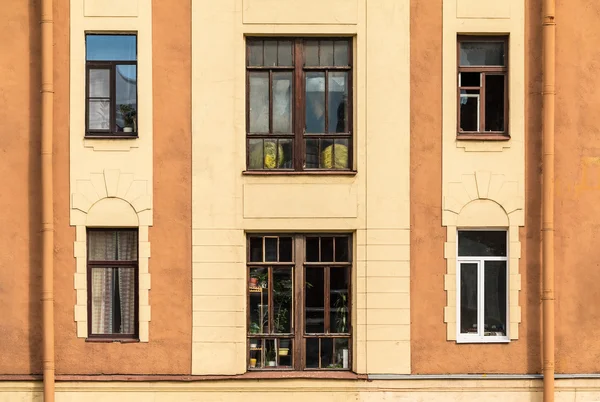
{"points": [[319, 390], [236, 203], [138, 189], [20, 216], [448, 192]]}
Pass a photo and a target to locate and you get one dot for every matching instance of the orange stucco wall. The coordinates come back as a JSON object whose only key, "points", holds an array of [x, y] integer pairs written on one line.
{"points": [[20, 214], [169, 349], [431, 352], [578, 187]]}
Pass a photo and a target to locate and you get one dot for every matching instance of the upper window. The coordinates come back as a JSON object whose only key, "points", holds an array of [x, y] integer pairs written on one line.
{"points": [[299, 104], [111, 85], [482, 285], [299, 302], [112, 283], [482, 86]]}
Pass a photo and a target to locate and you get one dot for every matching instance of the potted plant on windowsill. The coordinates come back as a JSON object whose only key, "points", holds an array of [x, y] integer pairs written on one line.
{"points": [[271, 358], [129, 113]]}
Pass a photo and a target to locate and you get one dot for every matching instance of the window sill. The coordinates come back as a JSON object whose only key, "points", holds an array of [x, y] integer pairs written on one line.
{"points": [[482, 137], [292, 374], [112, 137], [112, 340], [299, 173], [487, 339]]}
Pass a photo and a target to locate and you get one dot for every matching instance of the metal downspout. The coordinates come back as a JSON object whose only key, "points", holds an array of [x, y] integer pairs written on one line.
{"points": [[47, 90], [549, 46]]}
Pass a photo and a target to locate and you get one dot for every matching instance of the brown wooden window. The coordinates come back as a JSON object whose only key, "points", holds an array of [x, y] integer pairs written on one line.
{"points": [[111, 85], [299, 302], [299, 104], [482, 87], [112, 277]]}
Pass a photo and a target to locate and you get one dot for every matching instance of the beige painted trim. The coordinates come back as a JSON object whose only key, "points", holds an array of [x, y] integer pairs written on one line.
{"points": [[111, 180], [111, 199], [481, 200]]}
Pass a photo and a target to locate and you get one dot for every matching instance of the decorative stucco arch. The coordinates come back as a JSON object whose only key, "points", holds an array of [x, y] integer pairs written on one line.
{"points": [[482, 200], [111, 199]]}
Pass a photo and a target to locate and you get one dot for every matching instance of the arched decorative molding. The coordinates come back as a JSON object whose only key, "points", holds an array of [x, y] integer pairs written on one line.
{"points": [[111, 199], [482, 200]]}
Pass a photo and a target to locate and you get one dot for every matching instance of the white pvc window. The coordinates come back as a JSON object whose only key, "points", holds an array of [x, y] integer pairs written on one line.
{"points": [[482, 286]]}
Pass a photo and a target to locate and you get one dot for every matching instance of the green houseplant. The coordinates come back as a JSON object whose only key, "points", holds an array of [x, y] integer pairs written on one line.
{"points": [[129, 113]]}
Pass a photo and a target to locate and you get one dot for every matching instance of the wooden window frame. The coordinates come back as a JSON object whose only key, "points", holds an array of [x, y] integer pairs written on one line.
{"points": [[481, 134], [299, 135], [298, 335], [112, 264], [480, 261], [111, 66]]}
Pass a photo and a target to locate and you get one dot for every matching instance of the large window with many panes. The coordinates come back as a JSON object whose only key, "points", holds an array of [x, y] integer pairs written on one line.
{"points": [[299, 104], [482, 291], [299, 302]]}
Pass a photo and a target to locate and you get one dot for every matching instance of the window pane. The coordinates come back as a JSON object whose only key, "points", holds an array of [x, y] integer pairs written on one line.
{"points": [[270, 353], [111, 47], [338, 296], [99, 83], [285, 249], [338, 102], [341, 249], [495, 298], [326, 249], [494, 102], [259, 102], [470, 79], [282, 102], [258, 302], [311, 53], [312, 249], [469, 110], [334, 154], [286, 353], [340, 53], [312, 353], [256, 157], [341, 356], [255, 48], [111, 245], [113, 301], [311, 148], [326, 53], [256, 249], [284, 53], [315, 102], [98, 114], [273, 153], [270, 53], [482, 53], [482, 243], [126, 97], [270, 249], [468, 298], [255, 351], [282, 300], [315, 301], [287, 146], [326, 353]]}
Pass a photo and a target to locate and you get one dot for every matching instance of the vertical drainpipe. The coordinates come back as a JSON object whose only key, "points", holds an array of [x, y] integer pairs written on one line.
{"points": [[549, 36], [47, 200]]}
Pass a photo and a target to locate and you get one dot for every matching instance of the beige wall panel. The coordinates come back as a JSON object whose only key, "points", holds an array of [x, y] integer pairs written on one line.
{"points": [[110, 8], [293, 201], [300, 12], [482, 9]]}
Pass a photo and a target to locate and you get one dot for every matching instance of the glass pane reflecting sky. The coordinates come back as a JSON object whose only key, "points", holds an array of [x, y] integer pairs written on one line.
{"points": [[111, 47]]}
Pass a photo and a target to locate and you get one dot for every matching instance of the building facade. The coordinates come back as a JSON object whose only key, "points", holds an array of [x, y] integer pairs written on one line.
{"points": [[334, 199]]}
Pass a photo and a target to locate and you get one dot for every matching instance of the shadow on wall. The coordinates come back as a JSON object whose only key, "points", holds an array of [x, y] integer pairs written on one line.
{"points": [[35, 183]]}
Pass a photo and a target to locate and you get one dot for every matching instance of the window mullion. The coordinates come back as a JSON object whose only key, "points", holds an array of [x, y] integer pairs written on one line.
{"points": [[481, 315], [298, 305], [326, 301]]}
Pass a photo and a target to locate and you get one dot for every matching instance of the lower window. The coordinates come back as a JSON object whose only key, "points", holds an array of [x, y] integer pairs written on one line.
{"points": [[482, 291], [299, 302], [112, 283]]}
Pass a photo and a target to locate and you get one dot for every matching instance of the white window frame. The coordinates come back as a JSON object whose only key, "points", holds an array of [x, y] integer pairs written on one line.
{"points": [[480, 261]]}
